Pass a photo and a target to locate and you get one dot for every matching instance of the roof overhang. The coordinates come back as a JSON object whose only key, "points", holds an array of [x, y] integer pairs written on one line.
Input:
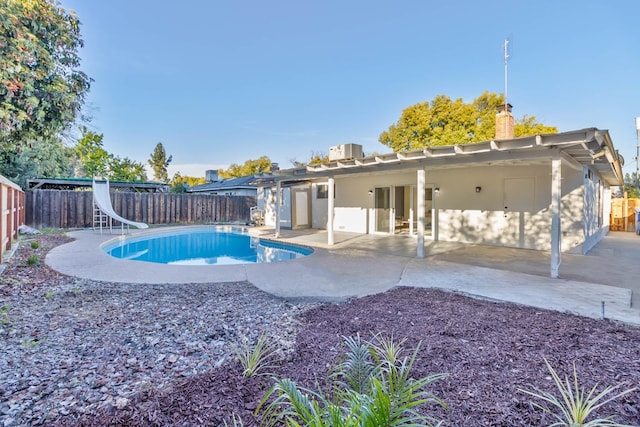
{"points": [[587, 147]]}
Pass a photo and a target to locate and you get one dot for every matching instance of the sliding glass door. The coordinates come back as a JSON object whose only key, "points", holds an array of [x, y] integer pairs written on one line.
{"points": [[382, 205]]}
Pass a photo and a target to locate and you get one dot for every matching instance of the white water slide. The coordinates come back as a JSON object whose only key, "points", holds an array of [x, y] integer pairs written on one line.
{"points": [[102, 201]]}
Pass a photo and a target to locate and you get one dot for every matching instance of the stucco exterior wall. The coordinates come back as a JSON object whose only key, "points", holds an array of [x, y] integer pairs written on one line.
{"points": [[500, 205], [267, 203], [512, 209]]}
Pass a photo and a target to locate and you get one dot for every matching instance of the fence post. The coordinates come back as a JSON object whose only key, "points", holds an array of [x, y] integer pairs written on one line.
{"points": [[11, 213]]}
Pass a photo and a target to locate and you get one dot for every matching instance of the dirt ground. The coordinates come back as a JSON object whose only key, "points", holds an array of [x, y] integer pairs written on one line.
{"points": [[490, 350]]}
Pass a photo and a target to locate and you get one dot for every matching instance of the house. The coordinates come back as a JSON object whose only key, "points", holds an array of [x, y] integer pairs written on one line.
{"points": [[241, 186], [544, 192]]}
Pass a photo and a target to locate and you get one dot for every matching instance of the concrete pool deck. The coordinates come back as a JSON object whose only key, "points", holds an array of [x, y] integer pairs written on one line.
{"points": [[367, 264]]}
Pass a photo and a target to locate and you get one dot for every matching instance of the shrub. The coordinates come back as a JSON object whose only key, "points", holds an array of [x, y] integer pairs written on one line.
{"points": [[35, 245], [255, 359], [574, 405], [371, 387], [33, 260]]}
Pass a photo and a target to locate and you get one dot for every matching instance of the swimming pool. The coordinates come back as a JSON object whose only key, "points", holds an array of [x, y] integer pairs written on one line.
{"points": [[203, 246]]}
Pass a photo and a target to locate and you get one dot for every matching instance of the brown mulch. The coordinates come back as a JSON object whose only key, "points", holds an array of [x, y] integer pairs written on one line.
{"points": [[490, 350]]}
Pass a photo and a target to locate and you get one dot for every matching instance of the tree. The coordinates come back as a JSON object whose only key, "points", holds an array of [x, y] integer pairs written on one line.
{"points": [[444, 121], [51, 159], [250, 167], [42, 89], [528, 126], [126, 169], [178, 182], [159, 163], [317, 158], [94, 159], [630, 186]]}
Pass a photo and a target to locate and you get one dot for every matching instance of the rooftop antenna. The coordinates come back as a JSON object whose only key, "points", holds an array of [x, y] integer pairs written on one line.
{"points": [[506, 60]]}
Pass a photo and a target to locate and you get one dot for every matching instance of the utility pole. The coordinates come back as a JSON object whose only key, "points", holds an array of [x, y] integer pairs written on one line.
{"points": [[638, 158], [506, 59]]}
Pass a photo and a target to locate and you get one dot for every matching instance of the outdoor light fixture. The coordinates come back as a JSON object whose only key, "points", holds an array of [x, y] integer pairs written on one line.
{"points": [[478, 189], [371, 192], [437, 190]]}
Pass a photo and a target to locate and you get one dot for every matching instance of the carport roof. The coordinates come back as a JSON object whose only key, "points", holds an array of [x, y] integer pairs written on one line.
{"points": [[589, 147]]}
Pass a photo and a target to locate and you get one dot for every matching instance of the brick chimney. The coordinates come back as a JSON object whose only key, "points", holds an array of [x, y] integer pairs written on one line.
{"points": [[504, 122]]}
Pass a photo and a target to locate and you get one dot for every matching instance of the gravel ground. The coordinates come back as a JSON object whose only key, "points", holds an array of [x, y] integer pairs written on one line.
{"points": [[85, 353], [73, 346]]}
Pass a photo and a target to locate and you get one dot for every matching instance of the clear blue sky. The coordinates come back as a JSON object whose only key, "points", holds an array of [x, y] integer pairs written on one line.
{"points": [[220, 82]]}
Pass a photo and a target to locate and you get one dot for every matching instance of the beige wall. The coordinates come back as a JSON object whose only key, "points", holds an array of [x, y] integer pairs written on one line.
{"points": [[465, 215]]}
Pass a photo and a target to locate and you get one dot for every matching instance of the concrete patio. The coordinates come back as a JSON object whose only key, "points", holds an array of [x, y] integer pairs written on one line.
{"points": [[366, 264]]}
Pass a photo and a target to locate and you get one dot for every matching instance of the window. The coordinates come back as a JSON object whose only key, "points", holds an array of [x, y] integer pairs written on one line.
{"points": [[322, 191]]}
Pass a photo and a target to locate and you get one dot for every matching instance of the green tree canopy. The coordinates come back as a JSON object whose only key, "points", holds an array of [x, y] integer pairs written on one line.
{"points": [[317, 158], [94, 159], [42, 89], [630, 186], [159, 163], [250, 167], [126, 169], [178, 182], [51, 159], [444, 121]]}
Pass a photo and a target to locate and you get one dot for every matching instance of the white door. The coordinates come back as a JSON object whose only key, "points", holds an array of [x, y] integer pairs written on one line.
{"points": [[301, 209], [519, 203]]}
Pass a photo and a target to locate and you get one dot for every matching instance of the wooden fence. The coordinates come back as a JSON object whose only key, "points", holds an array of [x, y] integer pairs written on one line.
{"points": [[623, 214], [74, 209], [12, 213]]}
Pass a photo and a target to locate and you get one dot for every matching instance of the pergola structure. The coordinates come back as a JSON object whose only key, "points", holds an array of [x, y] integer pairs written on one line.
{"points": [[86, 184], [591, 148]]}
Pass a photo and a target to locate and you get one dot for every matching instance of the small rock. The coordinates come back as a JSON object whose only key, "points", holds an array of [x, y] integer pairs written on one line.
{"points": [[122, 402]]}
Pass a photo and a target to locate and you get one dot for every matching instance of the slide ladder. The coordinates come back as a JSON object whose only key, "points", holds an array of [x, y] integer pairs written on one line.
{"points": [[103, 212]]}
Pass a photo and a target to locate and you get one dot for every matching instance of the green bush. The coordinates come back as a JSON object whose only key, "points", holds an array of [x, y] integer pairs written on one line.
{"points": [[35, 245], [33, 260], [371, 387]]}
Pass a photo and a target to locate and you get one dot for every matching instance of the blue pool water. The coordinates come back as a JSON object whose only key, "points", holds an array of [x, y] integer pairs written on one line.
{"points": [[203, 247]]}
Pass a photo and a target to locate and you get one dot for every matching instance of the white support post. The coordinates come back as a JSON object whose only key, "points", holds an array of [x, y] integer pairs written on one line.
{"points": [[330, 208], [421, 219], [556, 206], [277, 207], [412, 211]]}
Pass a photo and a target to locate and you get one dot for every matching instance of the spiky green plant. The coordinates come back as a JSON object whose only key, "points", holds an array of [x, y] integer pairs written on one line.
{"points": [[35, 245], [257, 358], [4, 314], [372, 387], [236, 421], [33, 260], [574, 405]]}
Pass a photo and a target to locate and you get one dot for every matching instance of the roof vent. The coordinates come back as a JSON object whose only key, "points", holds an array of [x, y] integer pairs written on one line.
{"points": [[211, 176]]}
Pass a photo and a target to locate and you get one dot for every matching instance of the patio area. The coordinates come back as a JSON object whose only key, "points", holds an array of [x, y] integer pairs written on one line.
{"points": [[360, 265]]}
